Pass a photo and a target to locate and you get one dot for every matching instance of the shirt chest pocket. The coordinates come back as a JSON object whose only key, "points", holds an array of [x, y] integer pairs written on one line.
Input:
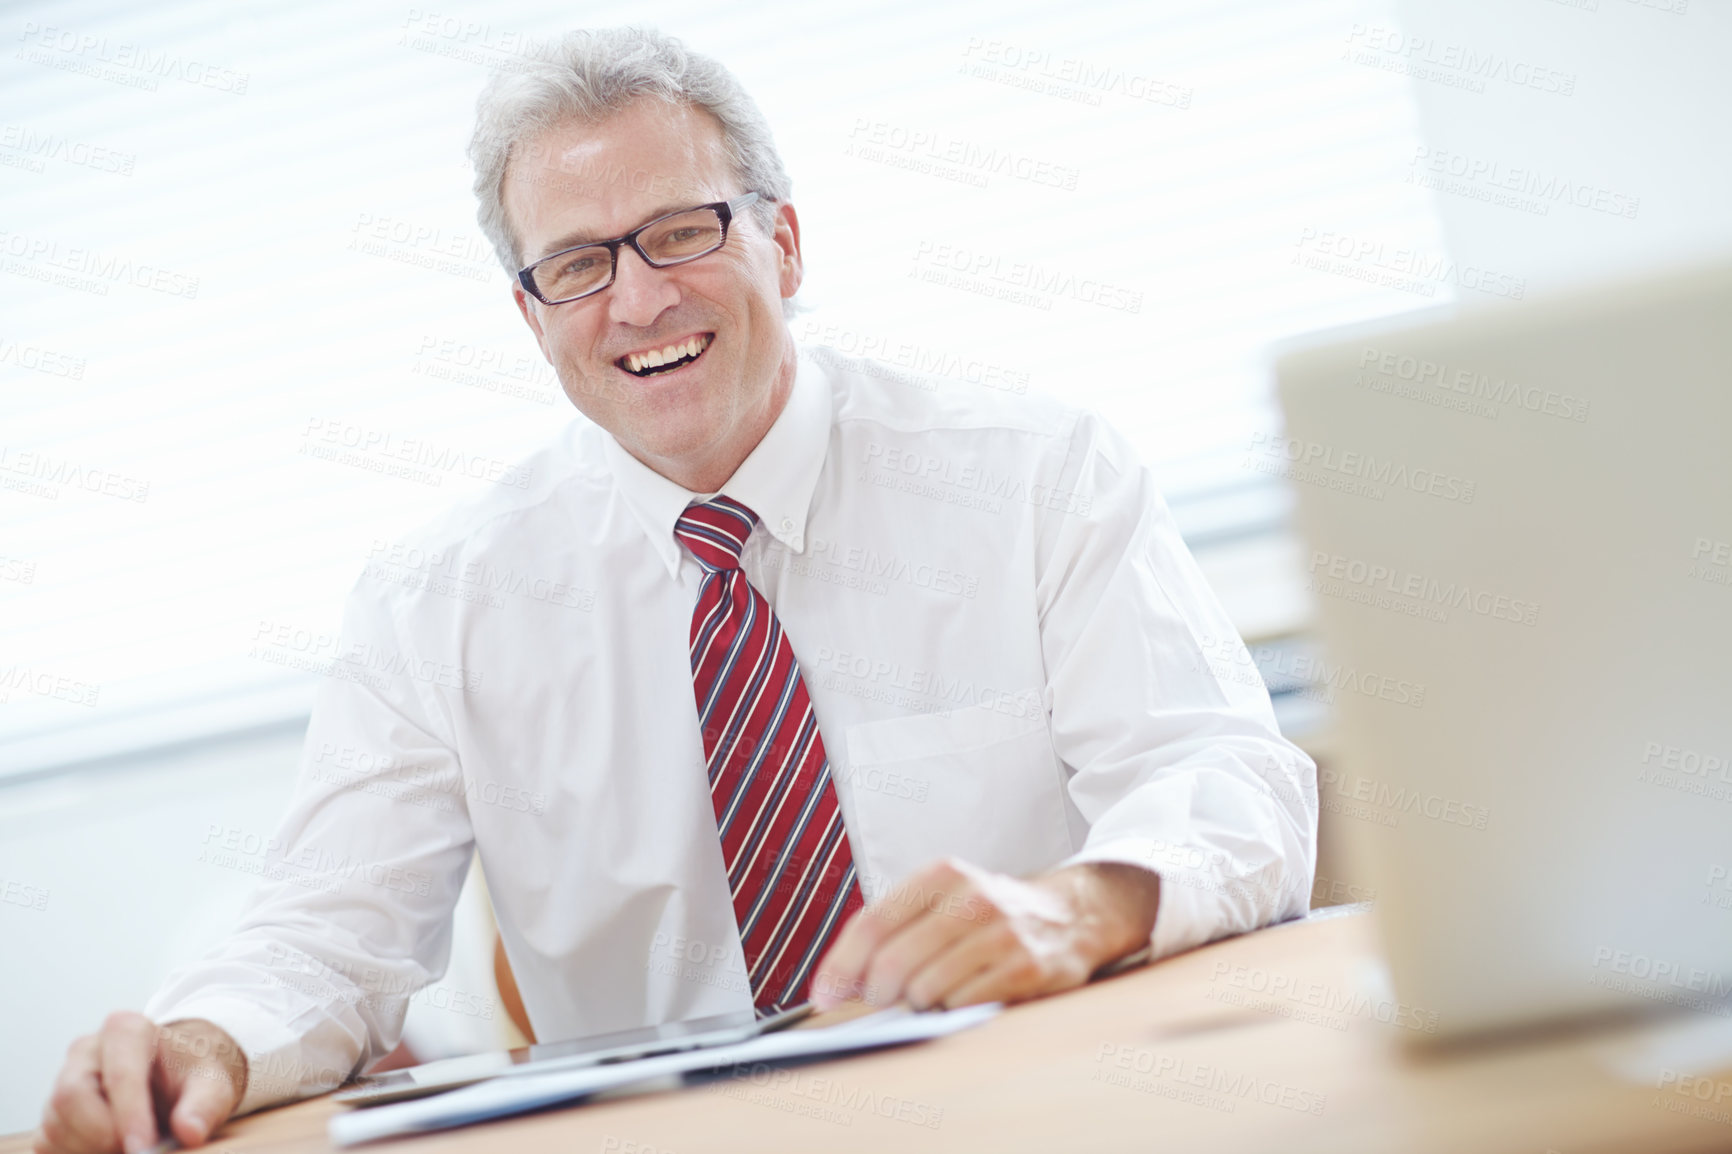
{"points": [[981, 784]]}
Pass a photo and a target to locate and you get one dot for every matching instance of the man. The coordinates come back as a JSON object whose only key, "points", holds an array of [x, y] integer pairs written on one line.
{"points": [[796, 684]]}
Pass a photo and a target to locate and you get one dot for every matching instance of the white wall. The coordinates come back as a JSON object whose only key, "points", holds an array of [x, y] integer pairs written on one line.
{"points": [[120, 860], [127, 897], [1643, 129]]}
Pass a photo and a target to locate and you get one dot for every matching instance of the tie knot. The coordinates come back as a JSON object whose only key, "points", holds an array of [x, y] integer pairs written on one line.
{"points": [[715, 532]]}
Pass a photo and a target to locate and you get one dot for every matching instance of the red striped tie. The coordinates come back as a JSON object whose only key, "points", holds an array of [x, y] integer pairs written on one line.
{"points": [[786, 849]]}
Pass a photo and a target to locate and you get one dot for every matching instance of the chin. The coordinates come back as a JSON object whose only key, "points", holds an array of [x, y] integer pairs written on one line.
{"points": [[683, 437]]}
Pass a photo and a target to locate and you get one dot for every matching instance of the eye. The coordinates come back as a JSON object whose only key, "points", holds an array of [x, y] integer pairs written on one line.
{"points": [[577, 266]]}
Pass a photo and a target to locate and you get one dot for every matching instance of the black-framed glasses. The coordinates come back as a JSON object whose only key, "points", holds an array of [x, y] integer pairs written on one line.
{"points": [[676, 238]]}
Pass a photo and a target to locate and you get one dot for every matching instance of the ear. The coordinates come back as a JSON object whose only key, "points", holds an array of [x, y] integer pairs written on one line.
{"points": [[531, 310], [787, 238]]}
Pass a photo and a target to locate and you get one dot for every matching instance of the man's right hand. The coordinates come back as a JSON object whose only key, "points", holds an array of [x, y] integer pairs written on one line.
{"points": [[108, 1093]]}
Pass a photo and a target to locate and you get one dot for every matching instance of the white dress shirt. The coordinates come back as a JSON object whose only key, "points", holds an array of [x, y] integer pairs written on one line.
{"points": [[1002, 634]]}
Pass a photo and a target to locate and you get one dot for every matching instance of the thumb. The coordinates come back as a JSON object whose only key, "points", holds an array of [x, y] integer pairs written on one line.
{"points": [[207, 1098]]}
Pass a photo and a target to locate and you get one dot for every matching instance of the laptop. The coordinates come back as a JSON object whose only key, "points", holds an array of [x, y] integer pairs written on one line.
{"points": [[1517, 532]]}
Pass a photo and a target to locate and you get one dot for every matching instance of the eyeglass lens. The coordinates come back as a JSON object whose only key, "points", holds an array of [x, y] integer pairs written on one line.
{"points": [[685, 236]]}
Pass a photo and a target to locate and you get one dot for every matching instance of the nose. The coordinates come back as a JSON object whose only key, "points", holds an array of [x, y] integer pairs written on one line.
{"points": [[639, 293]]}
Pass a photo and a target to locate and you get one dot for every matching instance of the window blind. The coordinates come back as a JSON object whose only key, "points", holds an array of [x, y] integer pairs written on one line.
{"points": [[250, 333]]}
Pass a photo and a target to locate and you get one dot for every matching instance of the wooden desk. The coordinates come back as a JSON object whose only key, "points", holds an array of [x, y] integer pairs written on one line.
{"points": [[1181, 1056]]}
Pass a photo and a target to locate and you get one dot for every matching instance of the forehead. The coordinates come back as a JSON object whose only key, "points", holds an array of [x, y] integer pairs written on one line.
{"points": [[595, 179]]}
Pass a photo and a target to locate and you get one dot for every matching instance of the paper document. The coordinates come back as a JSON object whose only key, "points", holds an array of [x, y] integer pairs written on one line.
{"points": [[502, 1097]]}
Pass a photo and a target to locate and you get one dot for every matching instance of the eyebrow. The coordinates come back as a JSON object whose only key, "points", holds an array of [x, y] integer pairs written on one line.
{"points": [[575, 239]]}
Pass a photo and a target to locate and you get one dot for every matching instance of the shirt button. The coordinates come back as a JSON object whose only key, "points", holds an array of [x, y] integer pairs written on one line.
{"points": [[787, 523]]}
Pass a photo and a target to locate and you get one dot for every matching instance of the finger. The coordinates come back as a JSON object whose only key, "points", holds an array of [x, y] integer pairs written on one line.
{"points": [[52, 1137], [969, 956], [837, 977], [77, 1117], [206, 1099], [128, 1044], [911, 947], [840, 974], [1016, 978]]}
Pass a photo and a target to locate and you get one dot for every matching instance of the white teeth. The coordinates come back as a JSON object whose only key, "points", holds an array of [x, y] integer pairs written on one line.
{"points": [[638, 362]]}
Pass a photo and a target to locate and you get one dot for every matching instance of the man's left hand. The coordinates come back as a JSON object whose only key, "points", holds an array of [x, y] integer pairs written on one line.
{"points": [[954, 934]]}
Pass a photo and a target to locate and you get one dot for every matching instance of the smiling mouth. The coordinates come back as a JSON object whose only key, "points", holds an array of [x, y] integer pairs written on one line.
{"points": [[653, 362]]}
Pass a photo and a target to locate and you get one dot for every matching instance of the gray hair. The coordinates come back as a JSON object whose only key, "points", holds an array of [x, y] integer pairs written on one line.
{"points": [[587, 76]]}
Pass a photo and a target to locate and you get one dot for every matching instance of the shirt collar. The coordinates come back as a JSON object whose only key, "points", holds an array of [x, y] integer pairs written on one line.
{"points": [[775, 481]]}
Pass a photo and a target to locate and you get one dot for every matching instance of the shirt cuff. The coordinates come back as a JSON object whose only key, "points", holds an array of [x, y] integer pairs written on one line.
{"points": [[275, 1069]]}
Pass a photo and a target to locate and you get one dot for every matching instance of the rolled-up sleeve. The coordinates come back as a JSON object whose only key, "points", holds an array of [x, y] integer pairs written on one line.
{"points": [[361, 876], [1174, 756]]}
